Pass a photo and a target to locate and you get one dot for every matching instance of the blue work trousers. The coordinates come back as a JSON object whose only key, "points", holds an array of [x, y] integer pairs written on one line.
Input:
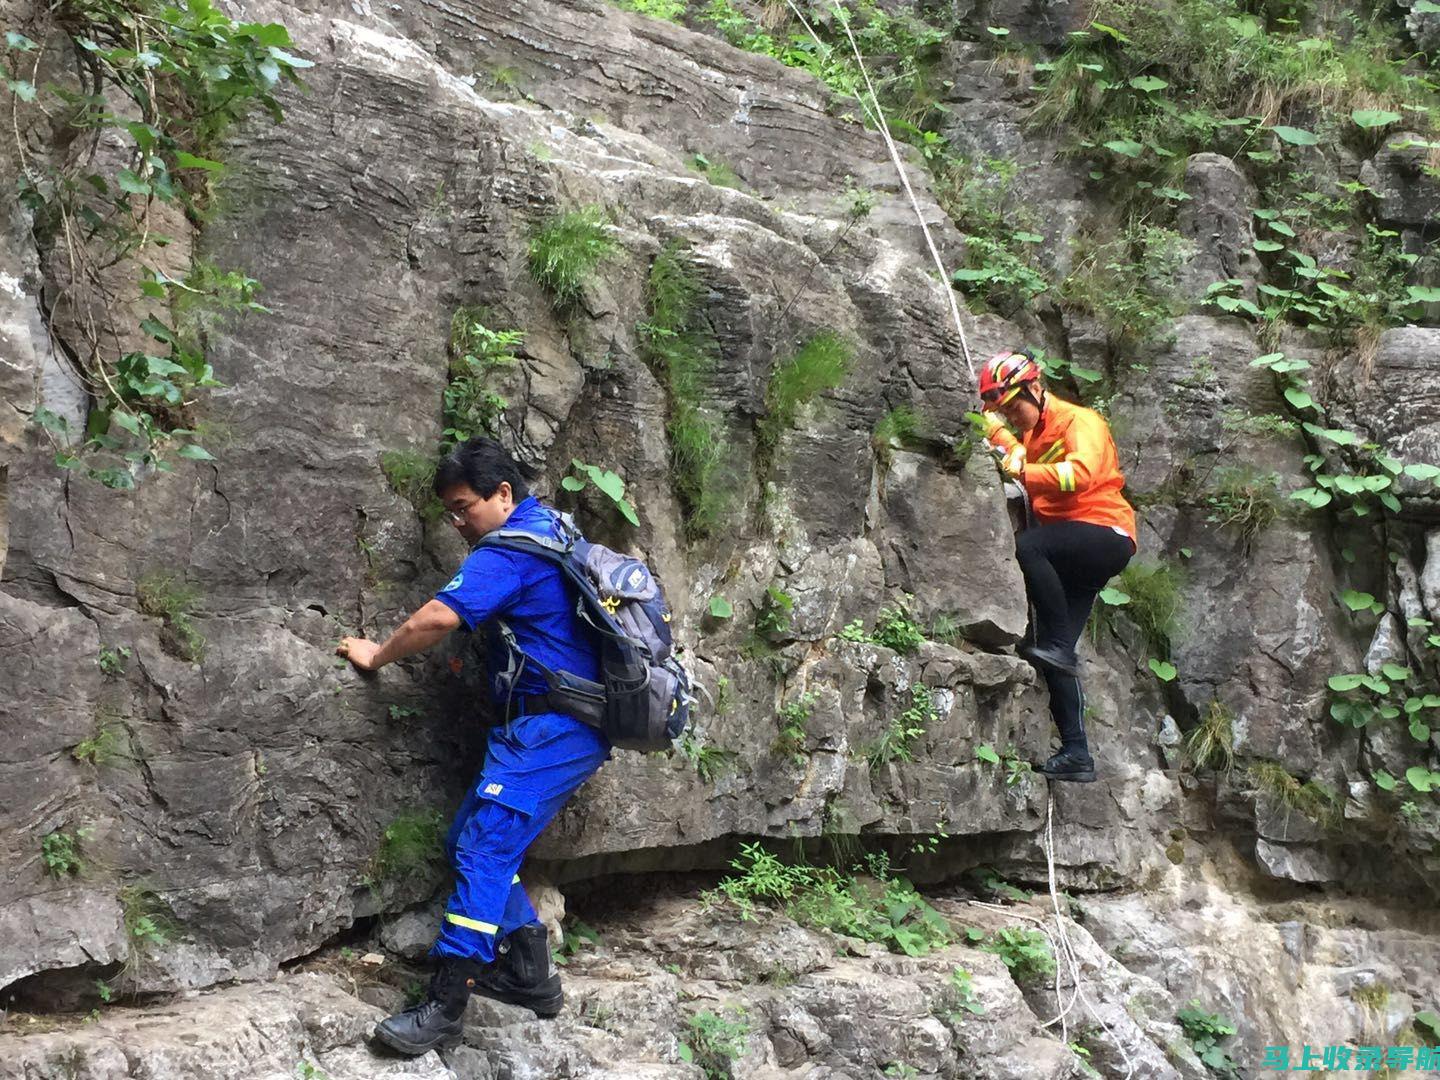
{"points": [[532, 765]]}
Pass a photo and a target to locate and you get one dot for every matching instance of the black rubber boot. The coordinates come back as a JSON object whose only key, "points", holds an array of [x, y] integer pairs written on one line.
{"points": [[1072, 765], [1048, 656], [437, 1022], [523, 972]]}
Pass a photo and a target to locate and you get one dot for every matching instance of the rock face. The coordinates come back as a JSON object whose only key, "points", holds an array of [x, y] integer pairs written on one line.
{"points": [[185, 753]]}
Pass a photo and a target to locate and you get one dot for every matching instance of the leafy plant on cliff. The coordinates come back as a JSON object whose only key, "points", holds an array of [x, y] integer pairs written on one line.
{"points": [[60, 852], [476, 353], [1210, 744], [162, 82], [1026, 953], [566, 249], [820, 364], [606, 481], [172, 601], [411, 475], [410, 845], [1206, 1031], [1310, 798], [680, 348], [715, 1040], [1243, 500], [656, 9], [898, 740]]}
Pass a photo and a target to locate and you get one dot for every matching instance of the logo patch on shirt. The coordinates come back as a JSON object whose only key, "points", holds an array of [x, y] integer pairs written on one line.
{"points": [[494, 789], [455, 583]]}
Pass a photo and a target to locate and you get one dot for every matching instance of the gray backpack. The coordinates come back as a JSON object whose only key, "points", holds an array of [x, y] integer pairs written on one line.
{"points": [[643, 702]]}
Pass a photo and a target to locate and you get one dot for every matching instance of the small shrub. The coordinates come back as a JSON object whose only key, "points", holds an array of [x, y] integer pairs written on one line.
{"points": [[412, 476], [717, 172], [102, 747], [1154, 605], [606, 481], [896, 428], [714, 1041], [1206, 1031], [1245, 501], [171, 600], [148, 926], [709, 761], [945, 629], [773, 619], [1309, 798], [60, 851], [896, 629], [898, 741], [410, 845], [821, 364], [112, 661], [1211, 743], [792, 719], [566, 249], [960, 996], [476, 353], [1025, 952], [671, 10]]}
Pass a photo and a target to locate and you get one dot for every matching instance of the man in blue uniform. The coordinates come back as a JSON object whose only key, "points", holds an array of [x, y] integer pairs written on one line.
{"points": [[490, 940]]}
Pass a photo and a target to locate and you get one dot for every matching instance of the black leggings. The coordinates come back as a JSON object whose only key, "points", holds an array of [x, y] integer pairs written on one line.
{"points": [[1066, 564]]}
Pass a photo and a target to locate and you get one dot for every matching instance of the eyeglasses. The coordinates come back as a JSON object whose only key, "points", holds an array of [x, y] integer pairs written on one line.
{"points": [[457, 517]]}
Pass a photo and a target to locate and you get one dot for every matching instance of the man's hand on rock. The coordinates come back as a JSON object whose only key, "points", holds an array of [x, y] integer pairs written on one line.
{"points": [[359, 652]]}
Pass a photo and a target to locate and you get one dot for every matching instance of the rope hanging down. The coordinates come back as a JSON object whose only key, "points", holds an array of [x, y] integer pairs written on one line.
{"points": [[877, 115]]}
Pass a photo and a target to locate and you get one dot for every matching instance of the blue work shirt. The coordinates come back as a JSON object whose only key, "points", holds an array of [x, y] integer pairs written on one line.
{"points": [[534, 600]]}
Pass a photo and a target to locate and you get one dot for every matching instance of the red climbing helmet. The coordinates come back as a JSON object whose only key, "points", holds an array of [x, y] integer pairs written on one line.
{"points": [[1005, 374]]}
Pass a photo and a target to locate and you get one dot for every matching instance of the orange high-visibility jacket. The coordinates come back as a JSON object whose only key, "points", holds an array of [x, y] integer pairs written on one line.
{"points": [[1072, 470]]}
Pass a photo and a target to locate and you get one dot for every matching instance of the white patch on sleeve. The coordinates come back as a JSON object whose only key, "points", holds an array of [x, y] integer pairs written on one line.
{"points": [[455, 583]]}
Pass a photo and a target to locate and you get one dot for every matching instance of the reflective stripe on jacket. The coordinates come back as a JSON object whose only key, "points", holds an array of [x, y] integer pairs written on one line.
{"points": [[1072, 470]]}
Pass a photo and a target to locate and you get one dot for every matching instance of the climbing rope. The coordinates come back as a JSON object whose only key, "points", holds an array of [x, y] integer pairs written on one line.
{"points": [[877, 115]]}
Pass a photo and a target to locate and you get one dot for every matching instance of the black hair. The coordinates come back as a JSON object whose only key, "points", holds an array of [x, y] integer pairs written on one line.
{"points": [[483, 464]]}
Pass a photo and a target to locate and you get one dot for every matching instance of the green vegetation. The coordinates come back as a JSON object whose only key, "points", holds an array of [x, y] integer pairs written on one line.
{"points": [[709, 761], [679, 346], [173, 602], [772, 621], [1153, 602], [1128, 277], [105, 745], [657, 9], [112, 661], [1312, 799], [820, 364], [961, 997], [476, 353], [410, 845], [411, 475], [716, 1040], [1206, 1031], [161, 84], [896, 429], [605, 481], [896, 629], [148, 926], [1210, 744], [882, 907], [1025, 952], [1243, 500], [717, 172], [61, 852], [791, 720], [566, 250], [898, 741]]}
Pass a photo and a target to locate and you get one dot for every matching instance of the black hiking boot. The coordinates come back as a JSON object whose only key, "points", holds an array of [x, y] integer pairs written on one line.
{"points": [[523, 972], [437, 1022], [1048, 656], [1071, 765]]}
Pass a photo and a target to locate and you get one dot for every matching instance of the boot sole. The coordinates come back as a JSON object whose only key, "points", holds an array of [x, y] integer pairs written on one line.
{"points": [[403, 1046], [1087, 777], [545, 1008]]}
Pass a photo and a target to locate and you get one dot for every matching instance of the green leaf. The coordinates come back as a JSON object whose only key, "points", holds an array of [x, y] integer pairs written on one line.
{"points": [[25, 91], [1113, 596], [1314, 498], [1419, 731], [1423, 294], [1281, 228], [984, 274], [721, 608], [1383, 780], [192, 452], [1296, 136], [1426, 7], [1128, 147], [1395, 672], [51, 421], [572, 483], [1418, 777], [190, 161], [1374, 118], [1342, 683], [1185, 552], [1028, 237], [1299, 398], [128, 181], [1357, 601], [987, 753], [1428, 1017], [1150, 83], [1268, 245], [127, 421], [1116, 34], [16, 40], [1163, 670], [1421, 470], [610, 483], [628, 511]]}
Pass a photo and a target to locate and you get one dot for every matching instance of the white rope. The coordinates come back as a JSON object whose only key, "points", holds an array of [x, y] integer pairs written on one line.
{"points": [[877, 115]]}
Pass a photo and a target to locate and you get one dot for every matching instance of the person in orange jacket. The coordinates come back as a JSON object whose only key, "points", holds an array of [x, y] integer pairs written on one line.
{"points": [[1083, 532]]}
